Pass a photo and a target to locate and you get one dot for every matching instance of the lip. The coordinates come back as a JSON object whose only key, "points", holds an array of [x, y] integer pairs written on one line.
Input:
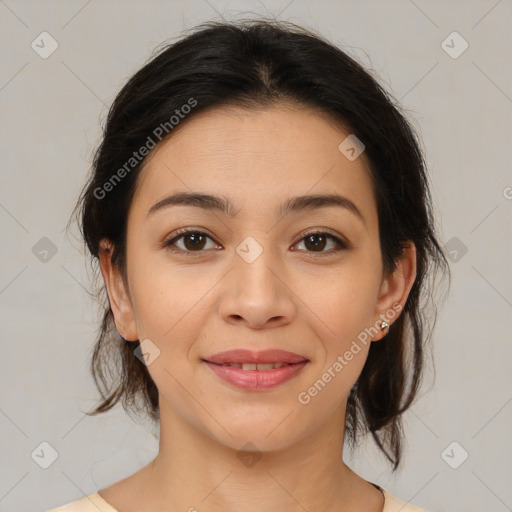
{"points": [[256, 380], [240, 356]]}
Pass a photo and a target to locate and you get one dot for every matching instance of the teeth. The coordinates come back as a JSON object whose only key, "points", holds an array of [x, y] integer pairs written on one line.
{"points": [[254, 366], [267, 366]]}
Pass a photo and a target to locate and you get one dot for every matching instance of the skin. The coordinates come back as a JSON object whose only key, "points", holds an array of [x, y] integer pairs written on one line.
{"points": [[290, 297]]}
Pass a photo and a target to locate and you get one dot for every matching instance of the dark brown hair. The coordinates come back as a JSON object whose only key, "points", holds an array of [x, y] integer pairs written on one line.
{"points": [[255, 64]]}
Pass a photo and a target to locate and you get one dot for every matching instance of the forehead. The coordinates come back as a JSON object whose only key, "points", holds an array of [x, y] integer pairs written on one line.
{"points": [[256, 158]]}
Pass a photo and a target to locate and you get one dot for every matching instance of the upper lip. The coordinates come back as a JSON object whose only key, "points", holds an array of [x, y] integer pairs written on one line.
{"points": [[241, 356]]}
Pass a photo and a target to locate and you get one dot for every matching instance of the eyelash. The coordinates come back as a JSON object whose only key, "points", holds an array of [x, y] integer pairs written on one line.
{"points": [[341, 245]]}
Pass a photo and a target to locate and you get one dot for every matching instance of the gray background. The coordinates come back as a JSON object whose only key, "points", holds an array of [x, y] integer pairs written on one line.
{"points": [[51, 110]]}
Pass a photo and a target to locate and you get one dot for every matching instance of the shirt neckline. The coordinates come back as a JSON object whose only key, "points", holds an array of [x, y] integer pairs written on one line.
{"points": [[109, 508]]}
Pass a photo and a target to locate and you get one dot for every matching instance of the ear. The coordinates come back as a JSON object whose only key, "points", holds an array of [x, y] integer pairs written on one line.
{"points": [[118, 296], [395, 289]]}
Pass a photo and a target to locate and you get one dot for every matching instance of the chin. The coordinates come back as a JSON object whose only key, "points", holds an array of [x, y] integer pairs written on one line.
{"points": [[256, 442], [260, 435]]}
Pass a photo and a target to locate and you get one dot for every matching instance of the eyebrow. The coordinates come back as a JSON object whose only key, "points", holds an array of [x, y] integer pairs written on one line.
{"points": [[222, 204]]}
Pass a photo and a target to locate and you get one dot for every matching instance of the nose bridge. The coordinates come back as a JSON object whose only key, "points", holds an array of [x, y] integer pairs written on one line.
{"points": [[255, 264], [255, 291]]}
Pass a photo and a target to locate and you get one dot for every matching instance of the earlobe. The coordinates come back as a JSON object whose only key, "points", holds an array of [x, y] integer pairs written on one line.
{"points": [[395, 289], [118, 296]]}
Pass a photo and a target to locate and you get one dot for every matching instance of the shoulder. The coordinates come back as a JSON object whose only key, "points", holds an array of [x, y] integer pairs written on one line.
{"points": [[394, 504], [92, 503]]}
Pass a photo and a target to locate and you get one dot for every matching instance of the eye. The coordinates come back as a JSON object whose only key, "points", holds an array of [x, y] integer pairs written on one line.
{"points": [[194, 241], [317, 241]]}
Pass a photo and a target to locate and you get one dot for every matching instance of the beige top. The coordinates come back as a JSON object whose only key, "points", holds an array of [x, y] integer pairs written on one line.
{"points": [[95, 503]]}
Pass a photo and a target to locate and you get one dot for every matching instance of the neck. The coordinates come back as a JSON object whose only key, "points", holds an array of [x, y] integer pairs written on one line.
{"points": [[194, 471]]}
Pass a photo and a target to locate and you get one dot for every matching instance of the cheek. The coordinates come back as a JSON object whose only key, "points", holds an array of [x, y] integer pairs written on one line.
{"points": [[343, 301], [343, 313], [169, 307], [344, 308], [165, 296]]}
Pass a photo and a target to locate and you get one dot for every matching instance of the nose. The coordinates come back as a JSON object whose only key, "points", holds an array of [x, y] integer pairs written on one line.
{"points": [[256, 293]]}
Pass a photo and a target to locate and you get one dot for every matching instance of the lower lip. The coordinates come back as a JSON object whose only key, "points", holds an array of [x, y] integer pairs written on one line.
{"points": [[256, 379]]}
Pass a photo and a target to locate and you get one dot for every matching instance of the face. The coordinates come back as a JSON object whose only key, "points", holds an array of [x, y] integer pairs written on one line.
{"points": [[257, 276]]}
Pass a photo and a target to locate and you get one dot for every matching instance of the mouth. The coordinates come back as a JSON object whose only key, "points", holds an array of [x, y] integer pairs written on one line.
{"points": [[255, 371], [246, 358]]}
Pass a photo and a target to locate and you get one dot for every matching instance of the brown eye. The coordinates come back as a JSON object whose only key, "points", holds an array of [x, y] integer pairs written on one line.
{"points": [[193, 241], [317, 242]]}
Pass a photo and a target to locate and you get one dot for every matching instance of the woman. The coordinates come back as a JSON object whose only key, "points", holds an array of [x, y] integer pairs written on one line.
{"points": [[261, 216]]}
